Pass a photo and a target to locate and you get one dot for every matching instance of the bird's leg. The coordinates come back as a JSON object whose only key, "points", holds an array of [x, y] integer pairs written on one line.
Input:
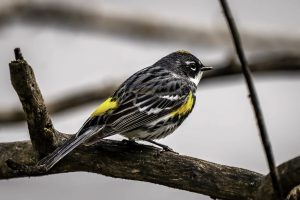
{"points": [[165, 147]]}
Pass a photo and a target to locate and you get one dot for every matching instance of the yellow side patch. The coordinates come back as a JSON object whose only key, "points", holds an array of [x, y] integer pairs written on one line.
{"points": [[186, 107], [107, 105]]}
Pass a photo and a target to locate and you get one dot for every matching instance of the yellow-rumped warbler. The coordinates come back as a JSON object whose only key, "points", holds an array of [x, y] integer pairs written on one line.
{"points": [[149, 105]]}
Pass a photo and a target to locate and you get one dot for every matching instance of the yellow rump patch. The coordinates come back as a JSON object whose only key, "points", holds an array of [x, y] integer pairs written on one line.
{"points": [[183, 52], [186, 107], [107, 105]]}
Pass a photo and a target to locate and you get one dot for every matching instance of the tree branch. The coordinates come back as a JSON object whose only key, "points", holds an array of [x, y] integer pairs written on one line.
{"points": [[254, 99], [289, 173], [264, 63], [139, 162]]}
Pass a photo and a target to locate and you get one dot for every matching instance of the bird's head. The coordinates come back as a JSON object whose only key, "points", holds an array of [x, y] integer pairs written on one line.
{"points": [[184, 64]]}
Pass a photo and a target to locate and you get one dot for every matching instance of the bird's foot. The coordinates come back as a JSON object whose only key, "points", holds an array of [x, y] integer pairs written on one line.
{"points": [[164, 147], [129, 142]]}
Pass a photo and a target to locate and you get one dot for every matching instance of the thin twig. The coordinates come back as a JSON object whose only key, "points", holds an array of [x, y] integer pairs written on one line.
{"points": [[253, 97]]}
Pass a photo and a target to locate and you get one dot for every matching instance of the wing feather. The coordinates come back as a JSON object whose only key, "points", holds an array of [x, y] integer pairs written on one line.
{"points": [[143, 100], [149, 104]]}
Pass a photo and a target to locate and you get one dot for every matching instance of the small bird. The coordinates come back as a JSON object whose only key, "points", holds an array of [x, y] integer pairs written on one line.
{"points": [[149, 105]]}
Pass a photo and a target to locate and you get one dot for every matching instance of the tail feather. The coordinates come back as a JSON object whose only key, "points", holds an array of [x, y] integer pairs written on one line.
{"points": [[49, 161]]}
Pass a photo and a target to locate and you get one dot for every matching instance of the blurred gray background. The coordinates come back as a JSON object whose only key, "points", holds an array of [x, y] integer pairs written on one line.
{"points": [[222, 127]]}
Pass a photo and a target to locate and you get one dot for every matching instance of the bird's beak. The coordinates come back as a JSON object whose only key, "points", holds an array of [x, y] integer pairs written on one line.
{"points": [[205, 68]]}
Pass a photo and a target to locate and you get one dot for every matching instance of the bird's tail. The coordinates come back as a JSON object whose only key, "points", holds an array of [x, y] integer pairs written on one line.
{"points": [[49, 161]]}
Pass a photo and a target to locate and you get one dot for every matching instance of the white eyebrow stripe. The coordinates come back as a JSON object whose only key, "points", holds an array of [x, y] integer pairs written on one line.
{"points": [[189, 62]]}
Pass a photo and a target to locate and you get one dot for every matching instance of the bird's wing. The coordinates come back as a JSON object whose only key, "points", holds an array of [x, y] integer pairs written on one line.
{"points": [[143, 98], [148, 102]]}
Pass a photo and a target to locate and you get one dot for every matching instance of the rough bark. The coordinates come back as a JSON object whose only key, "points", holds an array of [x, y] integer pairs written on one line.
{"points": [[39, 123], [139, 162], [289, 173]]}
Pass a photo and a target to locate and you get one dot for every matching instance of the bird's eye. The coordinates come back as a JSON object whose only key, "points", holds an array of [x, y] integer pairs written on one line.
{"points": [[193, 67]]}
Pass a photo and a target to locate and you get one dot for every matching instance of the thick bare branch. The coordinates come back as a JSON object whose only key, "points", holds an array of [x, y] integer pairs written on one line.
{"points": [[264, 63], [139, 162], [289, 173]]}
